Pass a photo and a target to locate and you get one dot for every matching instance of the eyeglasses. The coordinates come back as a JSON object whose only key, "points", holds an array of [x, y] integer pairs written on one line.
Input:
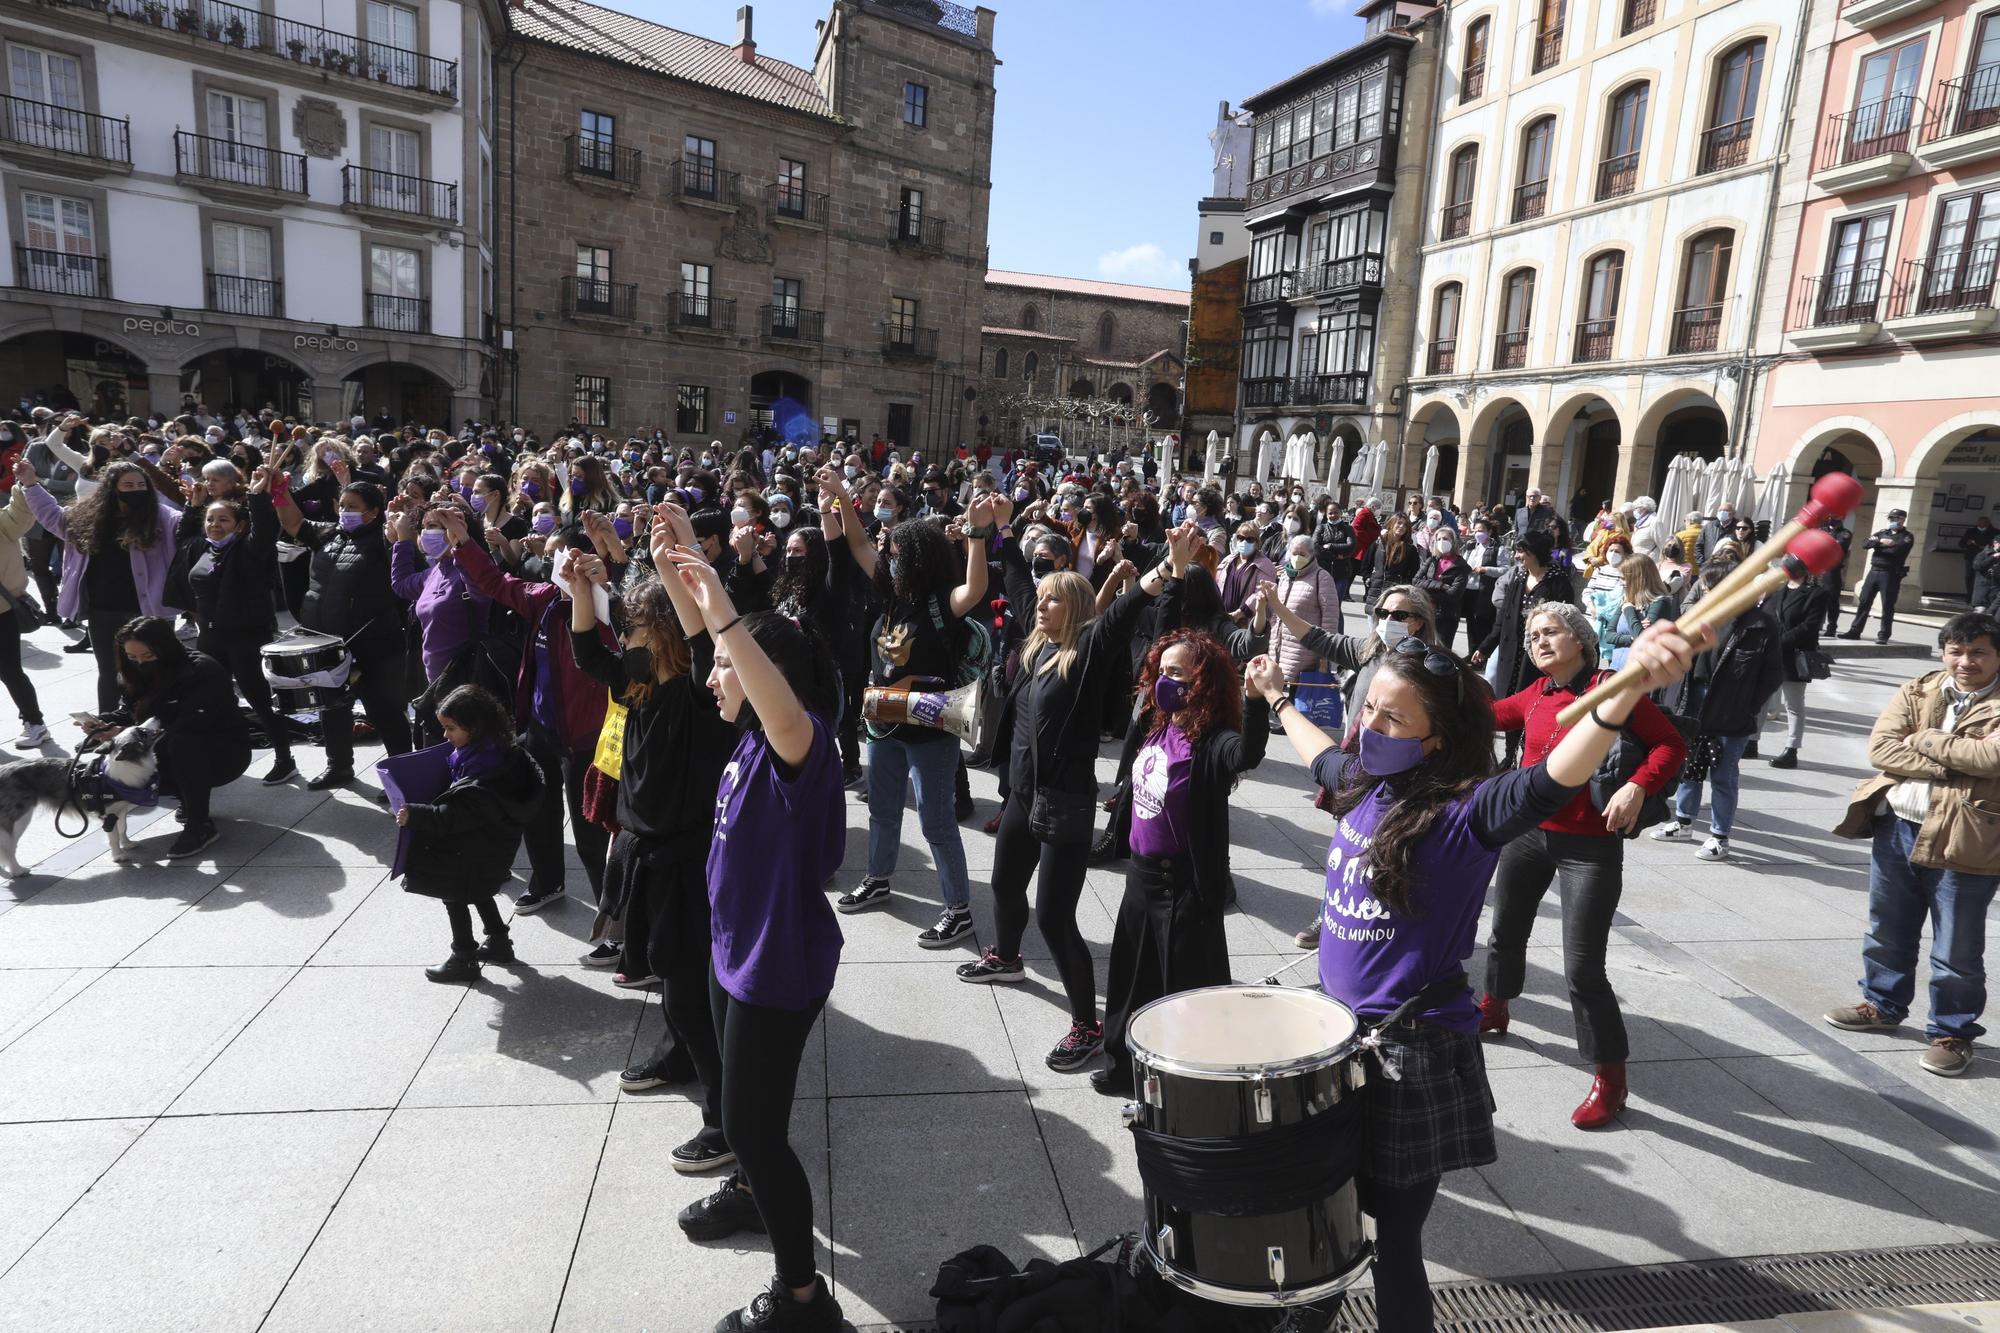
{"points": [[1400, 617], [1436, 661]]}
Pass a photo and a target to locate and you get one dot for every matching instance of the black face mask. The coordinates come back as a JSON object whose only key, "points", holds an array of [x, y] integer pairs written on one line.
{"points": [[639, 665], [795, 565], [133, 503], [1042, 567]]}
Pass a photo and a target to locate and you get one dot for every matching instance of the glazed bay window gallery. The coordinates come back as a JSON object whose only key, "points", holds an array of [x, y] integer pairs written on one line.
{"points": [[1267, 364], [1359, 109]]}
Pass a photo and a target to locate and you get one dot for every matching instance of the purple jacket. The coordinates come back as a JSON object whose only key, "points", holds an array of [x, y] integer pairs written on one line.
{"points": [[149, 563], [449, 611]]}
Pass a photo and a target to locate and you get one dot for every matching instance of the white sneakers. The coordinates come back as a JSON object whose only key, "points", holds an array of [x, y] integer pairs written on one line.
{"points": [[1671, 831], [31, 737], [1715, 849]]}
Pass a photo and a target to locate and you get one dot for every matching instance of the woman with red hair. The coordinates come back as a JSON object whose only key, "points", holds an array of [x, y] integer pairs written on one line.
{"points": [[1200, 733]]}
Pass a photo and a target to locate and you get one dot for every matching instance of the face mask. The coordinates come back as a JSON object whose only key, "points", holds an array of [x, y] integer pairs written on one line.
{"points": [[1391, 632], [1895, 522], [1293, 527], [623, 527], [1042, 568], [1021, 494], [532, 489], [544, 524], [795, 565], [1384, 756], [851, 471], [639, 664], [577, 487], [133, 502], [219, 545], [1442, 546], [478, 503], [518, 437], [1725, 517], [1169, 694], [1431, 520], [351, 519], [708, 462], [1296, 565], [883, 513], [1614, 558], [895, 569], [739, 516], [329, 458], [1246, 547], [781, 518], [431, 541]]}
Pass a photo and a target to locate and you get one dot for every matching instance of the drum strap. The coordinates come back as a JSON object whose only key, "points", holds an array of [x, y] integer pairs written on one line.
{"points": [[1276, 1171], [1430, 997]]}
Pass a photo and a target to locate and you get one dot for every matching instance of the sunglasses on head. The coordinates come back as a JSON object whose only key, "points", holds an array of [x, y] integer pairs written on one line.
{"points": [[1436, 661]]}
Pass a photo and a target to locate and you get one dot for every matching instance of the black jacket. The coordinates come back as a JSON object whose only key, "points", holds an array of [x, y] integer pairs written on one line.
{"points": [[1889, 551], [1333, 546], [1986, 579], [231, 591], [462, 845], [200, 705], [1446, 587], [1726, 692], [1058, 719], [1386, 573], [1800, 612], [349, 584]]}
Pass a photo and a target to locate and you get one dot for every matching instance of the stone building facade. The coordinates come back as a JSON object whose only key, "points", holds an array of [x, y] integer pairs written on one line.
{"points": [[700, 235], [1047, 339]]}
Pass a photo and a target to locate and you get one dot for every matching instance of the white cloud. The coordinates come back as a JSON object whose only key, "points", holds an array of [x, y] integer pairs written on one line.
{"points": [[1339, 7], [1145, 263]]}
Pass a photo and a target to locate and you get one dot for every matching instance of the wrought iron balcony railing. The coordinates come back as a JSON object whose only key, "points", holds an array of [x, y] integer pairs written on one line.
{"points": [[1966, 104], [1887, 126], [61, 272], [399, 314], [601, 160], [699, 310], [1618, 175], [1510, 349], [796, 203], [64, 131], [1333, 275], [393, 192], [792, 323], [1549, 49], [1271, 287], [924, 230], [226, 162], [1455, 221], [231, 295], [1330, 389], [599, 298], [1958, 277], [1443, 359], [1593, 339], [1851, 294], [1725, 146], [1531, 200], [697, 178], [909, 340], [1697, 328], [1266, 392]]}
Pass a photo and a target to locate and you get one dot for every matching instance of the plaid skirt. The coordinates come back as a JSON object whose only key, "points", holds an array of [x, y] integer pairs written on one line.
{"points": [[1426, 1108]]}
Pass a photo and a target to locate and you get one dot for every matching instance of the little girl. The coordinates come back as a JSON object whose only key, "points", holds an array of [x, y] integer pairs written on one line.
{"points": [[462, 846]]}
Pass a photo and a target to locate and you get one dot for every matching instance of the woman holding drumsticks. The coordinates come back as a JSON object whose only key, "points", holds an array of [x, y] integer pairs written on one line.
{"points": [[1419, 823]]}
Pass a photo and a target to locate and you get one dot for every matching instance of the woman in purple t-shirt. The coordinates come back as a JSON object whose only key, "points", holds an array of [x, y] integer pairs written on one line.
{"points": [[1419, 821], [780, 829]]}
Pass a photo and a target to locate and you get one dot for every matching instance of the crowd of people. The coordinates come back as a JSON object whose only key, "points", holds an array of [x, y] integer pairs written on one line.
{"points": [[657, 656]]}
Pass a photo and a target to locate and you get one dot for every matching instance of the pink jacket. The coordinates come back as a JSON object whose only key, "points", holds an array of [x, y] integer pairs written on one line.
{"points": [[1313, 598]]}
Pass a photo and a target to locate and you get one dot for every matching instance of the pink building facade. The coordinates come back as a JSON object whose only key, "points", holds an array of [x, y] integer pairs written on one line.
{"points": [[1881, 356]]}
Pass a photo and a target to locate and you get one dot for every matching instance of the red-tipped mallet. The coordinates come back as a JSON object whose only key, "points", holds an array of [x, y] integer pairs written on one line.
{"points": [[1833, 496], [1811, 553]]}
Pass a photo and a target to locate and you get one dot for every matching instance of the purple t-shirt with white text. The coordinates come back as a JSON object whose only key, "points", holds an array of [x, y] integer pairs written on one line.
{"points": [[1160, 794], [776, 841]]}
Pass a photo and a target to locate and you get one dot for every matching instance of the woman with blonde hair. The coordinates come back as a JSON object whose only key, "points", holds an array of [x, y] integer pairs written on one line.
{"points": [[1045, 830], [1646, 602]]}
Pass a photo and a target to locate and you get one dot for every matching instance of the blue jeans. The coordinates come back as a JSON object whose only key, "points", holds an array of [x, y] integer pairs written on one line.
{"points": [[1725, 775], [891, 764], [1900, 896]]}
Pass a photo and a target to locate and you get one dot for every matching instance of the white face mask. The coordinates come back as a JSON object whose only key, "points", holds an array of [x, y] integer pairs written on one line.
{"points": [[781, 518], [1442, 545], [739, 516], [1292, 527], [1391, 632], [1614, 558]]}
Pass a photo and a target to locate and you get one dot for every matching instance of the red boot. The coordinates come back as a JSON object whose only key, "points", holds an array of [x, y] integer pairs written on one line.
{"points": [[1604, 1101], [1493, 1015]]}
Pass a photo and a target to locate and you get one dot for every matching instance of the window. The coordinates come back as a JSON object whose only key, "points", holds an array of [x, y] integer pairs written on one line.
{"points": [[785, 307], [1638, 14], [395, 289], [1031, 319], [1457, 218], [1445, 308], [1472, 73], [1215, 238], [1319, 240], [593, 280], [1597, 321], [791, 187], [395, 169], [1885, 102], [1979, 106], [1618, 174], [49, 112], [1960, 267], [240, 283], [1000, 364], [1267, 352], [392, 41], [1549, 34], [695, 305], [1107, 330], [1362, 108], [903, 312], [1732, 110], [590, 404], [61, 251], [691, 409], [1531, 196], [910, 215], [237, 148], [1030, 363], [916, 104], [1517, 306], [1347, 347], [698, 167], [1852, 283], [597, 143], [1704, 284]]}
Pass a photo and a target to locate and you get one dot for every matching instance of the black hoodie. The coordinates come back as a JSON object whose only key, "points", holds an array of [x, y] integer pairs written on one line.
{"points": [[462, 845]]}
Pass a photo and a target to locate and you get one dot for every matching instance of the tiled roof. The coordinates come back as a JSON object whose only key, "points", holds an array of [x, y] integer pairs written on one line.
{"points": [[651, 46], [1122, 291]]}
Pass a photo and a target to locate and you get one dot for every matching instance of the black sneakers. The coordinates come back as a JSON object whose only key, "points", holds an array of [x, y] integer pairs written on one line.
{"points": [[194, 839], [774, 1311], [282, 769], [872, 893], [953, 924], [695, 1157], [1078, 1048], [534, 900], [497, 949], [333, 777], [992, 967], [723, 1213]]}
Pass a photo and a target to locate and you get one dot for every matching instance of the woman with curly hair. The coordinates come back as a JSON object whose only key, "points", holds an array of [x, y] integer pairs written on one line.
{"points": [[1201, 735]]}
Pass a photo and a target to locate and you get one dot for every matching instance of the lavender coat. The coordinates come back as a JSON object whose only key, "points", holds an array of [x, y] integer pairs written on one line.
{"points": [[149, 563]]}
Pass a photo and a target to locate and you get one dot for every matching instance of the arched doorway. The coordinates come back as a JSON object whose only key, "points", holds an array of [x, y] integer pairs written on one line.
{"points": [[401, 391], [233, 377], [1120, 393], [1513, 446], [1163, 404], [768, 387], [1082, 389], [1955, 488], [74, 371], [1698, 429]]}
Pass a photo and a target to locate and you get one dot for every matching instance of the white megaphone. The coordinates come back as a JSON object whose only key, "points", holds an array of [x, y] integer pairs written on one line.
{"points": [[956, 711]]}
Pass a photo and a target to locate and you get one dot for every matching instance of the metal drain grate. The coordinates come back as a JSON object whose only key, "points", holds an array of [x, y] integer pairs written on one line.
{"points": [[1709, 1291]]}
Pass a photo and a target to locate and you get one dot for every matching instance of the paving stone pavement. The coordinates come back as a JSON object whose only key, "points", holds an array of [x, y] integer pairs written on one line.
{"points": [[229, 1100]]}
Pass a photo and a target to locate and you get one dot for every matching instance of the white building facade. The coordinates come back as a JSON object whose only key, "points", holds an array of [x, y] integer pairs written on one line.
{"points": [[1600, 189], [285, 207]]}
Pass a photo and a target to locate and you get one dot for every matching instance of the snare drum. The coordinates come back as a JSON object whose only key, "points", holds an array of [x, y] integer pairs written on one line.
{"points": [[306, 670], [1231, 1063]]}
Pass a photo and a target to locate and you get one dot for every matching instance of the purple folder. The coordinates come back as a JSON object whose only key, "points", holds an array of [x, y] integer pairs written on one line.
{"points": [[420, 776]]}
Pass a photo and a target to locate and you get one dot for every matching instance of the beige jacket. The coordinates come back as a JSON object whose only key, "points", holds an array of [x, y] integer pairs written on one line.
{"points": [[15, 521], [1962, 832]]}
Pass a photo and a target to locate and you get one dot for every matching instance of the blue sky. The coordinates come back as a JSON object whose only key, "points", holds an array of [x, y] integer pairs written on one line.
{"points": [[1104, 107]]}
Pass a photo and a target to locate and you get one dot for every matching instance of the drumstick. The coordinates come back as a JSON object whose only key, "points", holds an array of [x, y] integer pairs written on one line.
{"points": [[1272, 980], [1833, 496], [1810, 553]]}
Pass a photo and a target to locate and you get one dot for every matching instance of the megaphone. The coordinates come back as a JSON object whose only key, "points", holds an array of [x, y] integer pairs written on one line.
{"points": [[956, 711]]}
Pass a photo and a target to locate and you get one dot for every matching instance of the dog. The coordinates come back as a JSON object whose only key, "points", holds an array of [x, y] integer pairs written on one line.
{"points": [[92, 783]]}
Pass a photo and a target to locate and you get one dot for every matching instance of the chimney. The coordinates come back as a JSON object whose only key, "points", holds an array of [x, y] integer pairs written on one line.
{"points": [[746, 45]]}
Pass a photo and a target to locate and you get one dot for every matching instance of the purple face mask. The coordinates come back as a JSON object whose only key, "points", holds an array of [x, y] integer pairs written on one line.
{"points": [[623, 527], [350, 519], [532, 489], [545, 524], [431, 541], [478, 503], [1384, 756], [1169, 695]]}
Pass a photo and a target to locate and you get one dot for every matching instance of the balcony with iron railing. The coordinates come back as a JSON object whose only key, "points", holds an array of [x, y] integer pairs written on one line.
{"points": [[1443, 356], [1725, 146], [394, 197], [1696, 328], [63, 138], [61, 273], [1549, 49], [1455, 220], [239, 169], [1949, 293], [697, 181], [785, 202], [1618, 176], [791, 324], [599, 298], [1965, 120], [918, 229], [1510, 349], [1266, 392], [1335, 275], [1870, 145], [391, 69], [228, 294], [1841, 307], [1330, 390], [1593, 339], [398, 314], [1639, 14], [1473, 86], [602, 163], [1271, 287], [1531, 200], [701, 312], [909, 340]]}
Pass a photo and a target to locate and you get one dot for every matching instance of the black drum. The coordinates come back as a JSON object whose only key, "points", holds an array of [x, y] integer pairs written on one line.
{"points": [[306, 670], [1218, 1070]]}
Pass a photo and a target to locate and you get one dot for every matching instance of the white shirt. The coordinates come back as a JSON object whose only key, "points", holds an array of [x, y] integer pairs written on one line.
{"points": [[1911, 799]]}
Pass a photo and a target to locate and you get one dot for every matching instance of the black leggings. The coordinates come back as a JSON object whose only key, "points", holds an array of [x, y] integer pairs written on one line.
{"points": [[192, 766], [241, 652], [41, 549], [1167, 940], [667, 936], [1017, 856], [378, 656], [1590, 871], [1402, 1287], [19, 688], [563, 771], [761, 1048], [103, 627], [460, 913]]}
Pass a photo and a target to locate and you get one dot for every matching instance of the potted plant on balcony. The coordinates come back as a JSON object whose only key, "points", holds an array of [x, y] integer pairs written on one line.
{"points": [[154, 11], [186, 19], [234, 31], [297, 48]]}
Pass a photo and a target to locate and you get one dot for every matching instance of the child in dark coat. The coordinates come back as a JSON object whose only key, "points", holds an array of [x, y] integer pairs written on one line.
{"points": [[462, 845]]}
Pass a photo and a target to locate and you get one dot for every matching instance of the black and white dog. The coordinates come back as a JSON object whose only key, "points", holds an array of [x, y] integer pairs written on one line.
{"points": [[105, 786]]}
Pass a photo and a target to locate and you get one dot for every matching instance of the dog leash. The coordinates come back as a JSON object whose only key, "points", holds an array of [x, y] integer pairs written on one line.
{"points": [[74, 802]]}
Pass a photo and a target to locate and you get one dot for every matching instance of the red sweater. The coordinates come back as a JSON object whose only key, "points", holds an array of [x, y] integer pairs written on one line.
{"points": [[1533, 711]]}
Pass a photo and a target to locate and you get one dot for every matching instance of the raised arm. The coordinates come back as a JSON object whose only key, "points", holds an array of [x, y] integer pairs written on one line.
{"points": [[671, 529], [834, 496], [970, 595], [1665, 655], [785, 722]]}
